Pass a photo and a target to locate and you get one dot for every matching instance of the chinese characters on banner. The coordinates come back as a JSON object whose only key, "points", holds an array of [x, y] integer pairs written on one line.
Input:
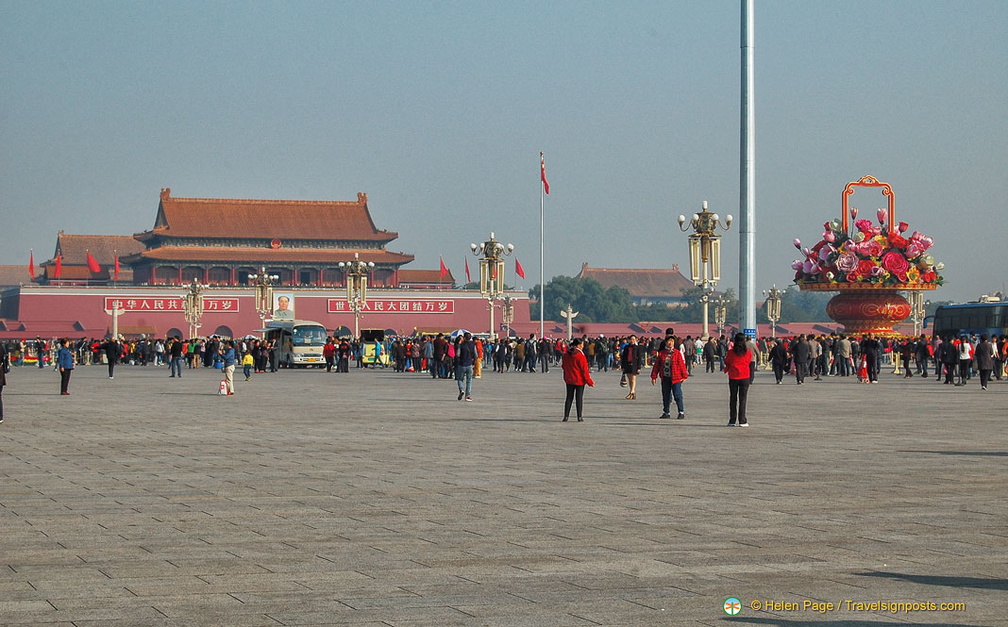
{"points": [[426, 306], [218, 305]]}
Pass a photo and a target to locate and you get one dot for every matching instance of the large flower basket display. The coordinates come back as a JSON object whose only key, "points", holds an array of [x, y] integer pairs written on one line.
{"points": [[869, 265]]}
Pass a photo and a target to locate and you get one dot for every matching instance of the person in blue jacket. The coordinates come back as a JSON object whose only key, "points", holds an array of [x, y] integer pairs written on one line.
{"points": [[229, 359], [65, 362]]}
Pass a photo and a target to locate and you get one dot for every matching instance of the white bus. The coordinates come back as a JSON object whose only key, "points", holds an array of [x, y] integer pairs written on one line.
{"points": [[298, 343]]}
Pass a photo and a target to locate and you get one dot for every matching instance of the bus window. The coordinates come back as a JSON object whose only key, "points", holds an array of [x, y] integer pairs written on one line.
{"points": [[309, 335]]}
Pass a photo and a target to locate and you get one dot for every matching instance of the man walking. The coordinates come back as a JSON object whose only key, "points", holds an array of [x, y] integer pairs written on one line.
{"points": [[465, 359]]}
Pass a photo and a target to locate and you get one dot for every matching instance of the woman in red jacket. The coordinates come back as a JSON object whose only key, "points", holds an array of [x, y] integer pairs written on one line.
{"points": [[670, 366], [737, 366], [576, 376]]}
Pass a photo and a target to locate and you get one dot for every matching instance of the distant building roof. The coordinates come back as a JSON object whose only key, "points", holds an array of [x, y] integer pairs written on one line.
{"points": [[433, 278], [641, 283], [16, 275], [103, 248], [269, 219]]}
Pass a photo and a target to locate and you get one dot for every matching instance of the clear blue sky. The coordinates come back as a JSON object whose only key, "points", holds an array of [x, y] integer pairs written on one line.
{"points": [[438, 111]]}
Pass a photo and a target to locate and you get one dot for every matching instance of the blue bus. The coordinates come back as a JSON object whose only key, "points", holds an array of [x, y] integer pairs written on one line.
{"points": [[971, 319]]}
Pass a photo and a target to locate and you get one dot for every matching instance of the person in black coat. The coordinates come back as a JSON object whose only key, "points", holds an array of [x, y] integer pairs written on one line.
{"points": [[780, 360], [631, 361], [801, 352], [112, 350], [4, 367]]}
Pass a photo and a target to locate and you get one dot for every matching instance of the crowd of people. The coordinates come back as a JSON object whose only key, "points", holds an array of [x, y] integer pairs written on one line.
{"points": [[461, 356]]}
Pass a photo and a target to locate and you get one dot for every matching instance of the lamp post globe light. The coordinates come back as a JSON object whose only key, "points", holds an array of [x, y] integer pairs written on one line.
{"points": [[773, 305], [192, 306], [705, 253], [357, 277], [491, 272], [263, 284]]}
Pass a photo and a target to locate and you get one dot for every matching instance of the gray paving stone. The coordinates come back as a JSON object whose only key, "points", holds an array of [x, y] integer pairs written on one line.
{"points": [[375, 498]]}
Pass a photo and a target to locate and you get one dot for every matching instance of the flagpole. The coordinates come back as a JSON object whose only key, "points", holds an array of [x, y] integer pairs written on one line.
{"points": [[542, 248]]}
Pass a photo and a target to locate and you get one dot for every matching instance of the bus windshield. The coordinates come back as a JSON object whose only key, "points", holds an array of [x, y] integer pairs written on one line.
{"points": [[309, 335]]}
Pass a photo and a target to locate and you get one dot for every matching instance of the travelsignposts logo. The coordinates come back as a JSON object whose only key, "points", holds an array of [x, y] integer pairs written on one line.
{"points": [[732, 606]]}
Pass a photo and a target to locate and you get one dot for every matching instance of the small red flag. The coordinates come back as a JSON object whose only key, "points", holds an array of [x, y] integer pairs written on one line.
{"points": [[545, 183], [116, 276], [444, 268], [31, 264], [92, 263], [468, 276], [518, 269], [58, 271]]}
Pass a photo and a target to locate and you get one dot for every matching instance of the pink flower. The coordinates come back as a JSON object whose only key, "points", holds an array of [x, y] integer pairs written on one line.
{"points": [[865, 226], [796, 265], [853, 213], [872, 248], [797, 243], [913, 250], [829, 236], [895, 263], [810, 267], [847, 262], [882, 215], [903, 226]]}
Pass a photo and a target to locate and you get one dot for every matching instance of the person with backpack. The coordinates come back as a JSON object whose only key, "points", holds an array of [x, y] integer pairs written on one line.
{"points": [[670, 367]]}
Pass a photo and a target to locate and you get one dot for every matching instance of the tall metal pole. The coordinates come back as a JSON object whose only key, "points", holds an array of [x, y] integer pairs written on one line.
{"points": [[542, 259], [747, 200]]}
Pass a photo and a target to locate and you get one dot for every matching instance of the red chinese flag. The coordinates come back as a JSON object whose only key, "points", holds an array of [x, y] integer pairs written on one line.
{"points": [[116, 276], [31, 264], [518, 269], [58, 271], [444, 268], [92, 263], [543, 176], [468, 276]]}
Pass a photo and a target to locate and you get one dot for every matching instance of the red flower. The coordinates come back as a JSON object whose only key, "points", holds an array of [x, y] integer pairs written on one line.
{"points": [[896, 263], [864, 267], [872, 248], [898, 241]]}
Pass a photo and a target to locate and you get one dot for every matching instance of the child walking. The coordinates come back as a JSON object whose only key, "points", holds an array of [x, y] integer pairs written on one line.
{"points": [[247, 363]]}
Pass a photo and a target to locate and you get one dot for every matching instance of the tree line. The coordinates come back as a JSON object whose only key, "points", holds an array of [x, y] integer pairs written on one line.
{"points": [[598, 304]]}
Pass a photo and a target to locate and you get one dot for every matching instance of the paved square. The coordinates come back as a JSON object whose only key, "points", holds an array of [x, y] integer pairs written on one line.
{"points": [[375, 498]]}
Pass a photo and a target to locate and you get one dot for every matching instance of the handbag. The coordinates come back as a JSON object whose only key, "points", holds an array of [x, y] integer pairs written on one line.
{"points": [[622, 381]]}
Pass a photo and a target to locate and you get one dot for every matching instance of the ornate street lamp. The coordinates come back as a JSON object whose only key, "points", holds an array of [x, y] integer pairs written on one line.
{"points": [[356, 284], [491, 272], [705, 253], [507, 314], [192, 306], [720, 313], [918, 310], [263, 284], [773, 303]]}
